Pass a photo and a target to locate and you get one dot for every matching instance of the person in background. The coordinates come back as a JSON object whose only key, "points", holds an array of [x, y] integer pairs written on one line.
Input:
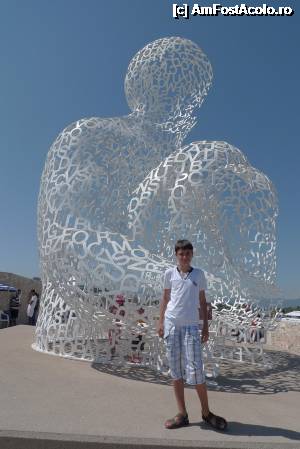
{"points": [[33, 298], [114, 333], [36, 309], [14, 306], [137, 344]]}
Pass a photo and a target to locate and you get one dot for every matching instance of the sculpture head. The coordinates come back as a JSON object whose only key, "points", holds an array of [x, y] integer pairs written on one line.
{"points": [[168, 78]]}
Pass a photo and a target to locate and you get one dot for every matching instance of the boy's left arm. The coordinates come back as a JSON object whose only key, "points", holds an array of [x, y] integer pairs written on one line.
{"points": [[203, 308]]}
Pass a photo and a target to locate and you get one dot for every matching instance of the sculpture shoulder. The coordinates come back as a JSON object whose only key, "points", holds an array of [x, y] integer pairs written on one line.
{"points": [[86, 127], [100, 134]]}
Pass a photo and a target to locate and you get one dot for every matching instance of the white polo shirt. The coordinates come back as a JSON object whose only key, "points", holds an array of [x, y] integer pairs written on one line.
{"points": [[183, 307]]}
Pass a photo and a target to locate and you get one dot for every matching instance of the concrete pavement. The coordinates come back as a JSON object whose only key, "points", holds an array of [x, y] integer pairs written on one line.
{"points": [[52, 402]]}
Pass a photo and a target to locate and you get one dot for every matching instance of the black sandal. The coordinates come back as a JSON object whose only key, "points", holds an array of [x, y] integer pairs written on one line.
{"points": [[177, 421], [217, 422]]}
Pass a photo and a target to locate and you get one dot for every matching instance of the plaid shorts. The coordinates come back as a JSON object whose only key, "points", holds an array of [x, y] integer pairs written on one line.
{"points": [[184, 353]]}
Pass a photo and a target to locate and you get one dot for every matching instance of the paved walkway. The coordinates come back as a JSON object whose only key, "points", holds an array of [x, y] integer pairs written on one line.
{"points": [[109, 406]]}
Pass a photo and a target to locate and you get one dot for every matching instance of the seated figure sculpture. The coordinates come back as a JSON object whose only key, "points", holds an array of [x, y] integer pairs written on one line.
{"points": [[115, 195]]}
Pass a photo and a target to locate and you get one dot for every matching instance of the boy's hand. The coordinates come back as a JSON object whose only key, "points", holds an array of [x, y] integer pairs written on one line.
{"points": [[160, 329], [204, 335]]}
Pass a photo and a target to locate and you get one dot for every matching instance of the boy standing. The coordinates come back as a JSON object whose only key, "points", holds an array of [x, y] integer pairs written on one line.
{"points": [[184, 291]]}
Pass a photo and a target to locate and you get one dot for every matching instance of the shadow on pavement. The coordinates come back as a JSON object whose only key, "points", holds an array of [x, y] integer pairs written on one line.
{"points": [[238, 428], [140, 373], [283, 376]]}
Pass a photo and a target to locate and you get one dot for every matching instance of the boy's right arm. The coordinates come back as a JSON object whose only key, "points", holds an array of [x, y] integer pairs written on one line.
{"points": [[163, 306]]}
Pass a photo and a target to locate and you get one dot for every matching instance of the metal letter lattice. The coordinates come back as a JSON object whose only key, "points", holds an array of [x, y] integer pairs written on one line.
{"points": [[115, 195]]}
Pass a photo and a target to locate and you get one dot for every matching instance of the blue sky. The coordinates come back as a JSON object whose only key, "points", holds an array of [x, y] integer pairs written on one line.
{"points": [[66, 59]]}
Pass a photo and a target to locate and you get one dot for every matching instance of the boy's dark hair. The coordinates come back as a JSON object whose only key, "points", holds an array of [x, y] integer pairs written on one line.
{"points": [[183, 244]]}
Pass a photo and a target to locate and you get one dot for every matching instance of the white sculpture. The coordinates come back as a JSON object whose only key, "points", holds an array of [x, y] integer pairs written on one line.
{"points": [[116, 193]]}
